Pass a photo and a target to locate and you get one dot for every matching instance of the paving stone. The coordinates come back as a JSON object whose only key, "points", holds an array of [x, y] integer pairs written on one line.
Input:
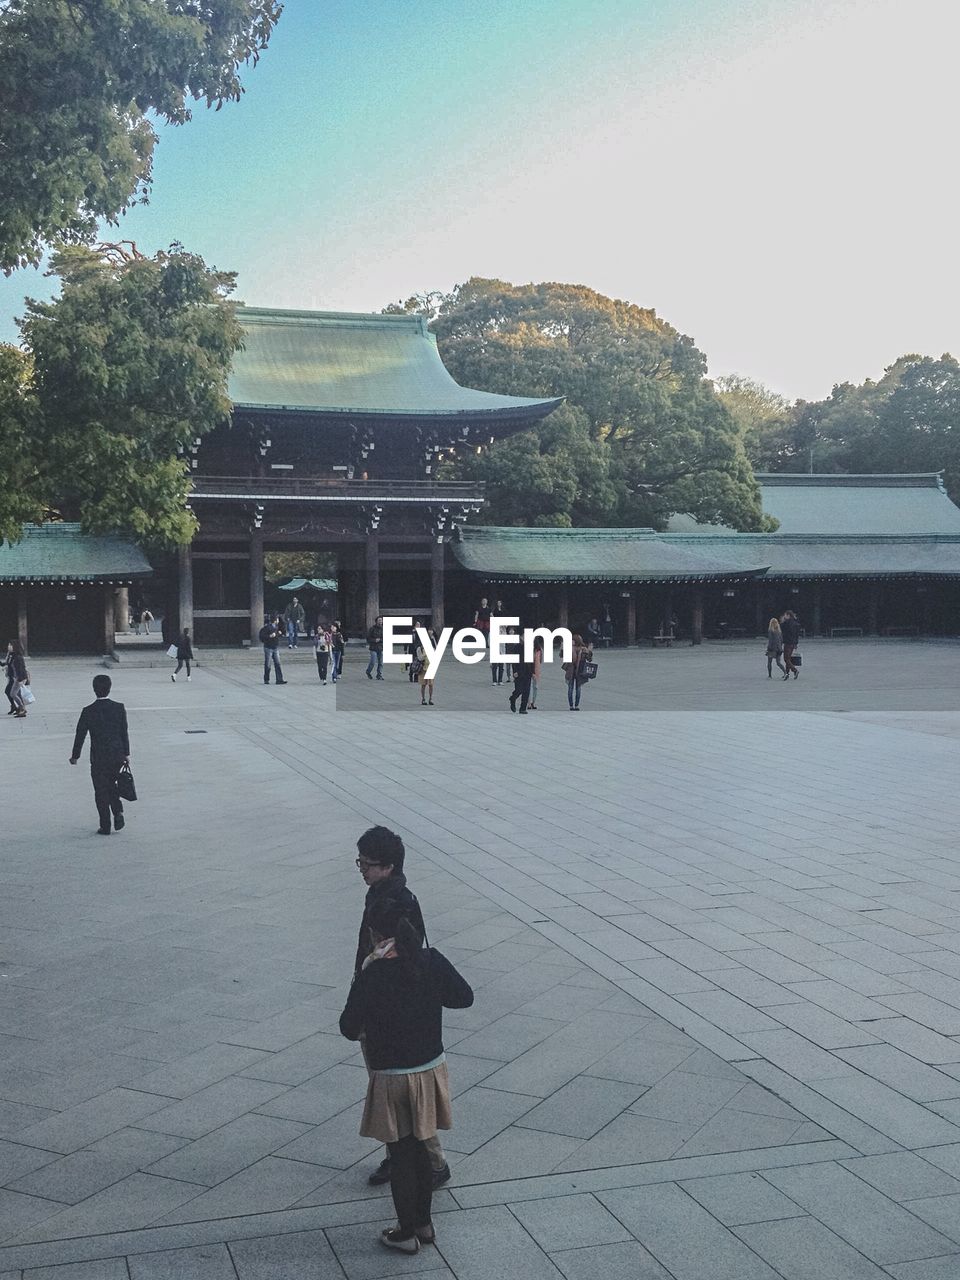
{"points": [[98, 1269], [481, 1114], [689, 1242], [920, 1042], [234, 1146], [947, 1268], [859, 1214], [301, 1255], [583, 1107], [490, 1244], [897, 1069], [935, 1014], [210, 1108], [642, 1060], [133, 1202], [736, 1198], [335, 1144], [509, 1036], [516, 1153], [729, 1012], [80, 1125], [136, 1148], [902, 1175], [732, 1130], [321, 1097], [942, 1212], [908, 1123], [17, 1160], [688, 1099], [263, 1187], [804, 1249], [208, 1262], [796, 1055], [569, 1222], [19, 1212], [197, 1070], [820, 1026], [610, 1262], [73, 1177]]}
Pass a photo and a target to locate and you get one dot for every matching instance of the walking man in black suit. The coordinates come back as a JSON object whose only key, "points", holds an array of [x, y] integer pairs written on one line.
{"points": [[106, 722]]}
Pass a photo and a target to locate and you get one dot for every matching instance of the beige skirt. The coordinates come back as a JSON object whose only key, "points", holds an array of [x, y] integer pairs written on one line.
{"points": [[397, 1106]]}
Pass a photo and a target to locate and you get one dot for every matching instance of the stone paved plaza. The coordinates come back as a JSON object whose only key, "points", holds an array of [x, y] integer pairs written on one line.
{"points": [[713, 924]]}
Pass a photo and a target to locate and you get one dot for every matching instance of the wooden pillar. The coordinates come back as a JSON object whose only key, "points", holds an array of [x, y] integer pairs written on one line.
{"points": [[256, 585], [108, 633], [759, 621], [437, 551], [667, 612], [696, 617], [632, 617], [121, 610], [185, 580], [22, 629], [373, 580], [873, 609], [817, 620], [563, 606]]}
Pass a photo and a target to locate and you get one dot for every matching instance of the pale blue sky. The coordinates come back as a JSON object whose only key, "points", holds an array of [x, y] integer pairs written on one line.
{"points": [[775, 177]]}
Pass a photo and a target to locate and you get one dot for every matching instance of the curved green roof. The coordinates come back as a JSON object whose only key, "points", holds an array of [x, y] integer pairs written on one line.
{"points": [[343, 363], [883, 504], [61, 553]]}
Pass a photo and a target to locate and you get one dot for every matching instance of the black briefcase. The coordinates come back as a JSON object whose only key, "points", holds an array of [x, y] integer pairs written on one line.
{"points": [[126, 788]]}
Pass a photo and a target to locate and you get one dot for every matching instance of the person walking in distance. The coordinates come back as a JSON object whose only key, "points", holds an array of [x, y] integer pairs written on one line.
{"points": [[421, 663], [337, 645], [184, 654], [381, 858], [106, 723], [535, 668], [395, 1007], [573, 671], [481, 619], [375, 645], [270, 634], [294, 616], [522, 676], [16, 668], [774, 647], [790, 630], [146, 618], [322, 641]]}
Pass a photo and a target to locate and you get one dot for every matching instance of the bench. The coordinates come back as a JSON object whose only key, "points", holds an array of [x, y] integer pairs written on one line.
{"points": [[901, 631], [841, 633], [663, 639]]}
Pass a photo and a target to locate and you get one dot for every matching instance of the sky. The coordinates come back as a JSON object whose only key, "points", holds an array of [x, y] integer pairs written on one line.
{"points": [[777, 178]]}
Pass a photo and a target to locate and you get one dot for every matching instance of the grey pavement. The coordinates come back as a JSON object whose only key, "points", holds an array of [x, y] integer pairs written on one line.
{"points": [[713, 924]]}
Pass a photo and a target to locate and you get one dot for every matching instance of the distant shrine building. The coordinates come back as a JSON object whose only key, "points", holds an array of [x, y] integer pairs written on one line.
{"points": [[339, 424], [338, 427]]}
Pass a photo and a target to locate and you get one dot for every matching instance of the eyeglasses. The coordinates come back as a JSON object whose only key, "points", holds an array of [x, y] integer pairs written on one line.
{"points": [[364, 865]]}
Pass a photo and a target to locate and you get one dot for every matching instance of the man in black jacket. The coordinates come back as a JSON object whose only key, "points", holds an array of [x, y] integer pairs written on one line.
{"points": [[381, 865], [106, 723], [790, 631]]}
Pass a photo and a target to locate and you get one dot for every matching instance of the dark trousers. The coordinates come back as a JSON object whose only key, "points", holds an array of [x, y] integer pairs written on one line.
{"points": [[496, 672], [181, 662], [521, 690], [8, 691], [411, 1183], [323, 660], [788, 658], [105, 791]]}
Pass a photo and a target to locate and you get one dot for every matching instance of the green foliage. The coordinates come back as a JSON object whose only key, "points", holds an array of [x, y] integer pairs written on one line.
{"points": [[278, 566], [79, 81], [763, 417], [21, 488], [644, 432], [126, 368], [909, 420]]}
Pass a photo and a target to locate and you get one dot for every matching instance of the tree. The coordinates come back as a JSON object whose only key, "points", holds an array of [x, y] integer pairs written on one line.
{"points": [[763, 417], [21, 492], [908, 420], [122, 372], [79, 83], [644, 431]]}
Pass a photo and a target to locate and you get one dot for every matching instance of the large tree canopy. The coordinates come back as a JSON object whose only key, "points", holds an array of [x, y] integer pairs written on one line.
{"points": [[79, 81], [121, 373], [642, 434], [909, 420]]}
